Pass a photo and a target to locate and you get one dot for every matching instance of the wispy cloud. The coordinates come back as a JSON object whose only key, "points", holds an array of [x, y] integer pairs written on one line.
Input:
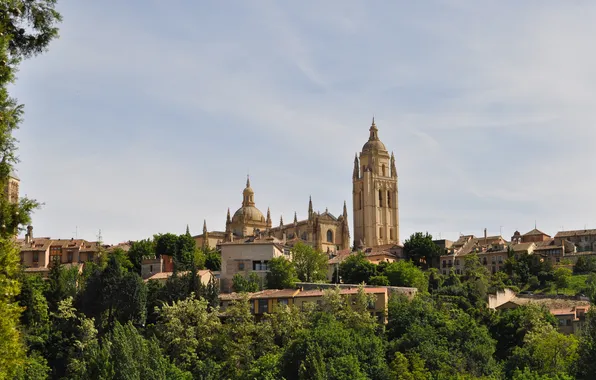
{"points": [[146, 119]]}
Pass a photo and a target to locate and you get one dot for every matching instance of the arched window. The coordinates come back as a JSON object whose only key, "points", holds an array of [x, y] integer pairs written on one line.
{"points": [[383, 170], [391, 233], [381, 232], [380, 198], [329, 236], [388, 199]]}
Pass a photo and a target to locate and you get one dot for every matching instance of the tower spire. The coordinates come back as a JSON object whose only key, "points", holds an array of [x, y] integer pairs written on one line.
{"points": [[204, 226], [281, 221], [295, 218], [268, 221], [345, 212], [393, 170], [356, 173], [248, 180], [373, 131]]}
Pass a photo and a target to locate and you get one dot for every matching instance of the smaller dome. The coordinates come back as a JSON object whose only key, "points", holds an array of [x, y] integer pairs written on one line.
{"points": [[248, 214], [373, 145]]}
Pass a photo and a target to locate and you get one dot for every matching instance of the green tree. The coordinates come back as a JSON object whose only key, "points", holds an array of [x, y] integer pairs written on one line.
{"points": [[547, 351], [139, 250], [562, 276], [35, 319], [249, 284], [166, 244], [72, 337], [585, 264], [586, 363], [187, 332], [405, 273], [421, 249], [213, 260], [26, 27], [310, 264], [356, 269], [282, 274], [510, 326]]}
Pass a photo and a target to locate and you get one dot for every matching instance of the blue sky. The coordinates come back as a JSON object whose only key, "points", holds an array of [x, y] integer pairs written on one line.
{"points": [[146, 116]]}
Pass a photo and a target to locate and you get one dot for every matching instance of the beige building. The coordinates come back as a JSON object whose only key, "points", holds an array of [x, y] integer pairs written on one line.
{"points": [[249, 255], [375, 195], [38, 254]]}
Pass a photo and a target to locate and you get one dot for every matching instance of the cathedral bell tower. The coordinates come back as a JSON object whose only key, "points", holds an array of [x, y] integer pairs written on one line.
{"points": [[376, 211]]}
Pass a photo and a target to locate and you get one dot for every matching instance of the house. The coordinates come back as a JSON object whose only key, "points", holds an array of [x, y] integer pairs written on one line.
{"points": [[570, 312], [205, 276], [250, 255], [267, 301], [491, 250]]}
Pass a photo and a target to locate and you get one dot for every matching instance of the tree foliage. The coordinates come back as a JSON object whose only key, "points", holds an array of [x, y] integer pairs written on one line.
{"points": [[310, 264], [282, 274]]}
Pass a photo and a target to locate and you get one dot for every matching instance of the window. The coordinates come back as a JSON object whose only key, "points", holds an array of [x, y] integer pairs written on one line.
{"points": [[456, 261], [391, 233], [444, 271], [494, 269], [388, 199], [240, 266], [70, 256], [151, 268], [449, 264], [304, 236], [500, 259], [484, 260], [260, 265], [380, 232], [329, 236], [282, 301], [263, 306], [90, 256], [35, 257], [383, 170], [380, 198], [444, 264]]}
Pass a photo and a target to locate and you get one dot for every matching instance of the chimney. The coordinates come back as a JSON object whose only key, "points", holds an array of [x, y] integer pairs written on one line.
{"points": [[29, 235]]}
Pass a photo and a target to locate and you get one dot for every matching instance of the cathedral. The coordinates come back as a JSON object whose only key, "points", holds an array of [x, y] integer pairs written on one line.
{"points": [[375, 211]]}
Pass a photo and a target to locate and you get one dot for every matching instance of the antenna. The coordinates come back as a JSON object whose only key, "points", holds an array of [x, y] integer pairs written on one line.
{"points": [[99, 238], [76, 232]]}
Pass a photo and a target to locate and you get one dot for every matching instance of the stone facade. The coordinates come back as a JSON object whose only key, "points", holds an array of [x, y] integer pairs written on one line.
{"points": [[375, 195]]}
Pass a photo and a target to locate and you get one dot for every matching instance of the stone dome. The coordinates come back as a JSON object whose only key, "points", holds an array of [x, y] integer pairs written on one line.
{"points": [[373, 142], [248, 214], [373, 145]]}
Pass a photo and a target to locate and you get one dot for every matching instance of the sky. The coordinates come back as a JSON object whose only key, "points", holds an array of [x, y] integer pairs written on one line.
{"points": [[147, 116]]}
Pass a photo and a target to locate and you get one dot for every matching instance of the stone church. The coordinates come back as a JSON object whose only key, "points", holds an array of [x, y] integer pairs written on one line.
{"points": [[375, 211]]}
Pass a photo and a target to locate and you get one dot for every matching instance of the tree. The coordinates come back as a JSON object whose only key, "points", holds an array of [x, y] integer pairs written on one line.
{"points": [[310, 264], [248, 285], [213, 260], [139, 250], [26, 27], [546, 351], [355, 269], [11, 349], [166, 244], [282, 274], [562, 277], [187, 332], [35, 319], [585, 264], [405, 273], [586, 363], [421, 249]]}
